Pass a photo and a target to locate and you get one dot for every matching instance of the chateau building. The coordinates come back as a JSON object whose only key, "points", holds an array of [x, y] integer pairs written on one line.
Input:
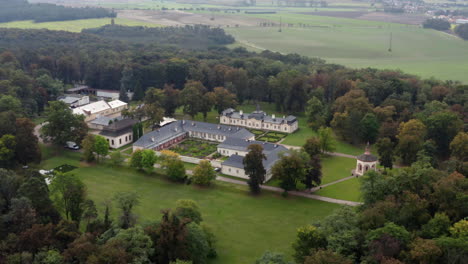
{"points": [[259, 120]]}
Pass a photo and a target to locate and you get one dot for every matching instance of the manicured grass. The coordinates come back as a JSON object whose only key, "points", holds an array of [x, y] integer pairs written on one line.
{"points": [[189, 166], [194, 148], [361, 44], [241, 222], [346, 190], [335, 168], [74, 25]]}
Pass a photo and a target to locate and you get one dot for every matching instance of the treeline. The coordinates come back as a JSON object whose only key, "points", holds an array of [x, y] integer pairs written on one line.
{"points": [[410, 215], [438, 24], [58, 223], [198, 36], [14, 10], [462, 31]]}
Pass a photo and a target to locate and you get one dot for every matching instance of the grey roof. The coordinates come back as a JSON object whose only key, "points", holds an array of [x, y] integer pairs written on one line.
{"points": [[367, 157], [270, 150], [113, 133], [104, 120], [180, 127]]}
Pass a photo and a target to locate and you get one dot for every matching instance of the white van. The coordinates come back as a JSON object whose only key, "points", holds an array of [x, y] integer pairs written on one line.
{"points": [[71, 145]]}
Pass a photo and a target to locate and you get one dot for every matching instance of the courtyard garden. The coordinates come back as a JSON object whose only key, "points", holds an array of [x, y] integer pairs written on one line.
{"points": [[272, 137], [195, 148]]}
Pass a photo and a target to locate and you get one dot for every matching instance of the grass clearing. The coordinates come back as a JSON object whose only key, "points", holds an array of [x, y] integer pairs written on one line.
{"points": [[335, 168], [74, 25], [346, 190], [240, 221]]}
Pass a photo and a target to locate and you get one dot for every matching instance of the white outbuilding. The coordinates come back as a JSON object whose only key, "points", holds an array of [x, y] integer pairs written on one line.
{"points": [[365, 162]]}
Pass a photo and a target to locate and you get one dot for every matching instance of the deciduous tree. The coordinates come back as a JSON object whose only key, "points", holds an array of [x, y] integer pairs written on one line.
{"points": [[253, 166], [385, 150], [289, 170], [203, 173], [101, 146], [69, 194], [126, 201]]}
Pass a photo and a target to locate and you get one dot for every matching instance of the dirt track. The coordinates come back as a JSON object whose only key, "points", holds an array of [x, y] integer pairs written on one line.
{"points": [[179, 18]]}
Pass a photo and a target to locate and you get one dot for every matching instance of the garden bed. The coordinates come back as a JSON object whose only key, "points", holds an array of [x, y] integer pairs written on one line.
{"points": [[269, 139], [195, 148], [257, 132]]}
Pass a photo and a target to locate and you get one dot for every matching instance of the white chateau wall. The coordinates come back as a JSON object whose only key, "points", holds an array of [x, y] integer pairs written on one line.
{"points": [[229, 152], [258, 124]]}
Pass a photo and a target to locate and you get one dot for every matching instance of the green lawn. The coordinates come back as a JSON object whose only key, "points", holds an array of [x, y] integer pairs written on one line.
{"points": [[241, 222], [346, 190], [74, 25], [361, 44], [335, 168]]}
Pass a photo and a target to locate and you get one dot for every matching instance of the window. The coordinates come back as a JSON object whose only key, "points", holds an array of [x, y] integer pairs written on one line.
{"points": [[237, 171], [112, 143], [360, 168], [120, 141], [229, 170]]}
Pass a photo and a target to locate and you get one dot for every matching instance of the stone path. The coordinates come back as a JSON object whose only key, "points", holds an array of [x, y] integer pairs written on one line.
{"points": [[296, 193], [338, 154]]}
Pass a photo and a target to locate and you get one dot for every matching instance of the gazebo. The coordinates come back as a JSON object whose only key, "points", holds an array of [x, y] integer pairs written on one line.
{"points": [[365, 162]]}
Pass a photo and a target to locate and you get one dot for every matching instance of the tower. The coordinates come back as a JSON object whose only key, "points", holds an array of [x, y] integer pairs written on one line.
{"points": [[365, 162]]}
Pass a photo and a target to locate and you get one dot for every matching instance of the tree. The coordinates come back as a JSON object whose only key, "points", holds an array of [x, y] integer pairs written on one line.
{"points": [[253, 166], [126, 83], [387, 241], [369, 127], [89, 211], [153, 106], [312, 146], [313, 175], [192, 98], [326, 256], [126, 201], [315, 113], [101, 146], [62, 125], [116, 158], [438, 24], [385, 150], [136, 243], [27, 146], [203, 173], [7, 151], [135, 160], [411, 137], [170, 238], [459, 146], [272, 258], [307, 239], [171, 100], [442, 127], [188, 209], [88, 144], [69, 194], [223, 99], [10, 103], [424, 251], [327, 141], [174, 168], [21, 215], [289, 170], [460, 229], [436, 227], [462, 31]]}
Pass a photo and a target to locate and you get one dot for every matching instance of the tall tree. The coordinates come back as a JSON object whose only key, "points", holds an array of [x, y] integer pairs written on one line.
{"points": [[171, 100], [223, 99], [312, 146], [253, 166], [69, 194], [153, 106], [88, 145], [315, 113], [459, 146], [203, 173], [313, 175], [385, 150], [369, 128], [7, 151], [126, 201], [62, 125], [192, 98], [289, 170], [101, 146], [327, 141], [442, 127], [411, 137], [27, 147]]}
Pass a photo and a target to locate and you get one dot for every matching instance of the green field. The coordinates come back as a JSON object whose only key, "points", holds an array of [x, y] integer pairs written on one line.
{"points": [[74, 25], [360, 44], [346, 190], [335, 168], [240, 222]]}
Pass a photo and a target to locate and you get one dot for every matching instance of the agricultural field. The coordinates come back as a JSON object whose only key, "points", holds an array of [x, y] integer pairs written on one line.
{"points": [[223, 207], [74, 25], [360, 44]]}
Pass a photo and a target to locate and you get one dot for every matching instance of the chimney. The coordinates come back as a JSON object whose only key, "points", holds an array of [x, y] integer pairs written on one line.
{"points": [[273, 116], [241, 112], [183, 122], [219, 127], [152, 139], [193, 123], [284, 116]]}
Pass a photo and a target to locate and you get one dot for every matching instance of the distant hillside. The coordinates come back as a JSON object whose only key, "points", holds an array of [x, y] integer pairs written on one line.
{"points": [[194, 37], [14, 10]]}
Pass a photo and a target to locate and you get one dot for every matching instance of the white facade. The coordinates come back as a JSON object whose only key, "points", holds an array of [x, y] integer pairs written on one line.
{"points": [[283, 127], [232, 171], [229, 152], [362, 167], [117, 141], [93, 110]]}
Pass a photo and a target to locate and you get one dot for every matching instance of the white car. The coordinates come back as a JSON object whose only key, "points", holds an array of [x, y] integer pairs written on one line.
{"points": [[71, 145]]}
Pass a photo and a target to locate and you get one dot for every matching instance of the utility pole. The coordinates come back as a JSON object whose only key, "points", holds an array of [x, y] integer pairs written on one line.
{"points": [[390, 46], [280, 25]]}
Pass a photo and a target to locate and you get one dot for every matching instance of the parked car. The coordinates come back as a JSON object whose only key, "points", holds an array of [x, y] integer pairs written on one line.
{"points": [[217, 169], [71, 145]]}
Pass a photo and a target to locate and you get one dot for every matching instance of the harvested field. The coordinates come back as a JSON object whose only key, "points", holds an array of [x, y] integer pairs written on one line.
{"points": [[410, 19], [180, 18]]}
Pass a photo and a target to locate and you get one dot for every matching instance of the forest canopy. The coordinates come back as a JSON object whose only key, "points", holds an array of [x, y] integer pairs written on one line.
{"points": [[14, 10]]}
